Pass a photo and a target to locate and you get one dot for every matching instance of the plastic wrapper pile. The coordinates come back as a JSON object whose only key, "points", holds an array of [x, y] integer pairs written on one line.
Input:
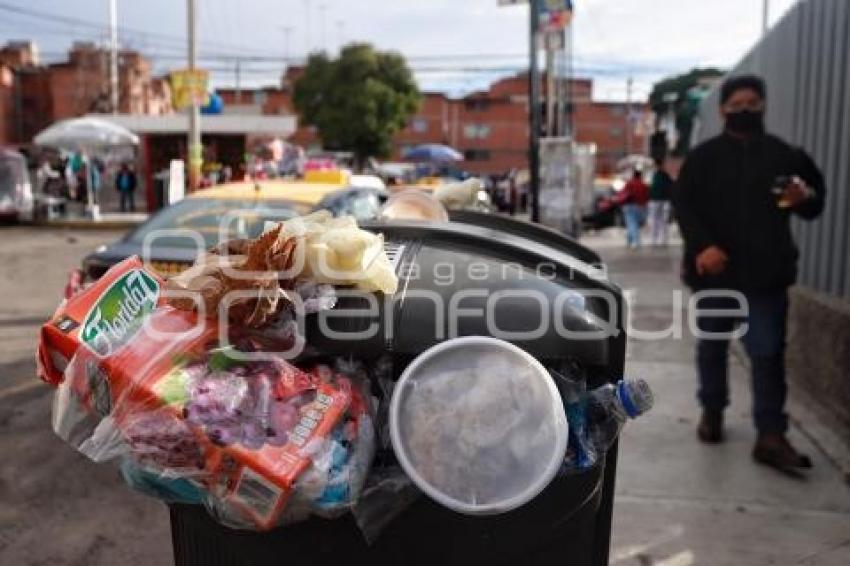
{"points": [[147, 377]]}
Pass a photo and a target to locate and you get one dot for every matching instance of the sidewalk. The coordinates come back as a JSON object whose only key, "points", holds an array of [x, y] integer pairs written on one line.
{"points": [[680, 502]]}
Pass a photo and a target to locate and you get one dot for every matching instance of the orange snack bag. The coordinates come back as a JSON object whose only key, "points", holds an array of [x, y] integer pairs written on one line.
{"points": [[120, 353], [103, 317]]}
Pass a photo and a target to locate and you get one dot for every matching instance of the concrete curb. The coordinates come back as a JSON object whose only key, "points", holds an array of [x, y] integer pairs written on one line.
{"points": [[89, 224]]}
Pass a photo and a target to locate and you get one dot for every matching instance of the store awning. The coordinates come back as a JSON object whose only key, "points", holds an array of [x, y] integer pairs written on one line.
{"points": [[282, 126]]}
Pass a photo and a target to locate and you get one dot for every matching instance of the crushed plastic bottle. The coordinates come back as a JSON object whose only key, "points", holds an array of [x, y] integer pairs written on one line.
{"points": [[596, 417]]}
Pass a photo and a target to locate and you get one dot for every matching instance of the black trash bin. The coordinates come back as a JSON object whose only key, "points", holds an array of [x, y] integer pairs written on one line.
{"points": [[569, 522]]}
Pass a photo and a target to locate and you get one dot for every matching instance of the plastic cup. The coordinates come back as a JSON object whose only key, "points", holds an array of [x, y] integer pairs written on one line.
{"points": [[412, 204]]}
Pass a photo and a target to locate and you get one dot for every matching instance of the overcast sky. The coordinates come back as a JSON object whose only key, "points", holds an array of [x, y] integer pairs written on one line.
{"points": [[454, 45]]}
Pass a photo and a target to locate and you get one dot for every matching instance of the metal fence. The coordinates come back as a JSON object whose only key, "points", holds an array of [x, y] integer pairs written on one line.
{"points": [[805, 60]]}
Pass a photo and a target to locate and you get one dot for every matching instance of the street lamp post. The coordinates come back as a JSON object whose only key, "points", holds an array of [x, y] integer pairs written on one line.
{"points": [[113, 55], [765, 13]]}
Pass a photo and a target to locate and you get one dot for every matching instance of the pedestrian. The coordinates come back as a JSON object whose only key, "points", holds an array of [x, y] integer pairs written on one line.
{"points": [[44, 176], [633, 199], [226, 174], [125, 184], [658, 208], [734, 199]]}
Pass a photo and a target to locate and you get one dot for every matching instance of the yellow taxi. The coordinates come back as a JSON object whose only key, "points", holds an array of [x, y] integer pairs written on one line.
{"points": [[172, 237]]}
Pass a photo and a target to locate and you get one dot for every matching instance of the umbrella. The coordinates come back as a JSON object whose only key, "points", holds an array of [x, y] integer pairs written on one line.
{"points": [[85, 134], [433, 152]]}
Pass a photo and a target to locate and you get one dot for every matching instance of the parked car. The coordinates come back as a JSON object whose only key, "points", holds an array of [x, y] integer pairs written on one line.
{"points": [[175, 233], [603, 211]]}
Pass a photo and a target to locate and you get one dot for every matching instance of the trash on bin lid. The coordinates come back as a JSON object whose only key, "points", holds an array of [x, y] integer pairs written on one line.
{"points": [[412, 204], [478, 425]]}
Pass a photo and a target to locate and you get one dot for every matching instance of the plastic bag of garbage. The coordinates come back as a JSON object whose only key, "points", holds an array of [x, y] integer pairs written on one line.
{"points": [[260, 441]]}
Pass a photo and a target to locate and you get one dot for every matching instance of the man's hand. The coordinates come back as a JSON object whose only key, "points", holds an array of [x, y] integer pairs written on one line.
{"points": [[796, 192], [711, 261]]}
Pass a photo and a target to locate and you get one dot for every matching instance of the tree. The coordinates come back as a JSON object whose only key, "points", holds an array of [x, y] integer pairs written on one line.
{"points": [[688, 89], [357, 101]]}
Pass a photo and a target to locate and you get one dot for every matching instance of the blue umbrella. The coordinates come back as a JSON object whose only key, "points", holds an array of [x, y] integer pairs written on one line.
{"points": [[433, 152]]}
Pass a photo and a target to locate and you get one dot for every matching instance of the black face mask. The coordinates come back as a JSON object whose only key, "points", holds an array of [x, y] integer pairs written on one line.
{"points": [[745, 122]]}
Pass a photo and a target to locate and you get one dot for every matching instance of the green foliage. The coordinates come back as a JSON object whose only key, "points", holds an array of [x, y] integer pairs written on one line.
{"points": [[680, 84], [688, 95], [358, 101]]}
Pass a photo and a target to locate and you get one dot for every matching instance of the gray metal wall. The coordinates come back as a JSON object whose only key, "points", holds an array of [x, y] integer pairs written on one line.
{"points": [[805, 60]]}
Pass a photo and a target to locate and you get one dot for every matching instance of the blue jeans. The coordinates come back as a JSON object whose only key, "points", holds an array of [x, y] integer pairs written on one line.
{"points": [[633, 214], [764, 343]]}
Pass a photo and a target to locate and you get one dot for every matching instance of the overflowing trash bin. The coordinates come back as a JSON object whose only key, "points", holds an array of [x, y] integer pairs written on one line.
{"points": [[458, 404]]}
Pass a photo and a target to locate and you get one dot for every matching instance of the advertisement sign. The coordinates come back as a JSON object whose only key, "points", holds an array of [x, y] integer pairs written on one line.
{"points": [[557, 189], [176, 181], [188, 87]]}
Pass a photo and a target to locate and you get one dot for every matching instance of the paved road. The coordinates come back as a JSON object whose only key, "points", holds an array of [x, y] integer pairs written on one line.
{"points": [[57, 507], [679, 503]]}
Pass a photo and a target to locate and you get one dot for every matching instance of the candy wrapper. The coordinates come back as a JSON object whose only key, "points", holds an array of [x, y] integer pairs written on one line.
{"points": [[258, 440]]}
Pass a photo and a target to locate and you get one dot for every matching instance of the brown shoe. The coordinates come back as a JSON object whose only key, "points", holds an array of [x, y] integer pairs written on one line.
{"points": [[773, 449], [710, 428]]}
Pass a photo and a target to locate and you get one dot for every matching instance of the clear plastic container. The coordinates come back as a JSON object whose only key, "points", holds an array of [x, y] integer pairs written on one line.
{"points": [[413, 204], [478, 425]]}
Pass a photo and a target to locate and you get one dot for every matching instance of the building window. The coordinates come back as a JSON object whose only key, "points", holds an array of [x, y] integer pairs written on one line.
{"points": [[419, 125], [477, 155], [477, 104], [616, 132], [476, 131]]}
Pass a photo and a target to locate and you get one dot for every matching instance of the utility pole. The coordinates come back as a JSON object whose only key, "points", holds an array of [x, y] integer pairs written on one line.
{"points": [[113, 55], [765, 13], [287, 31], [629, 116], [194, 149], [534, 110], [323, 12]]}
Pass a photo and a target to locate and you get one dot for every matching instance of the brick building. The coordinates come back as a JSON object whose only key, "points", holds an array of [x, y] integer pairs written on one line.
{"points": [[33, 96], [491, 127], [271, 101]]}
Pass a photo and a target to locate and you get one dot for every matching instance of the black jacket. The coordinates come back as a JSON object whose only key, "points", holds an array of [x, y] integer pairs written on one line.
{"points": [[723, 197]]}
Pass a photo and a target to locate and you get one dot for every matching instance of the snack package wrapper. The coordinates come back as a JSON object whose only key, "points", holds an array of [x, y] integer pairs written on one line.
{"points": [[257, 440]]}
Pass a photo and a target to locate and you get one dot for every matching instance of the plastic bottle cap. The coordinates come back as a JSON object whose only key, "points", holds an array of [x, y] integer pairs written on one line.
{"points": [[478, 425], [635, 396]]}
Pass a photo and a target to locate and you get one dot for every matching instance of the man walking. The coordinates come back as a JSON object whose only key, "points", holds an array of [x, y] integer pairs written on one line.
{"points": [[125, 183], [734, 198]]}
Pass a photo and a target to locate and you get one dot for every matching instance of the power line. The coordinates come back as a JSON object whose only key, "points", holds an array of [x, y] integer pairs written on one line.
{"points": [[68, 20]]}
